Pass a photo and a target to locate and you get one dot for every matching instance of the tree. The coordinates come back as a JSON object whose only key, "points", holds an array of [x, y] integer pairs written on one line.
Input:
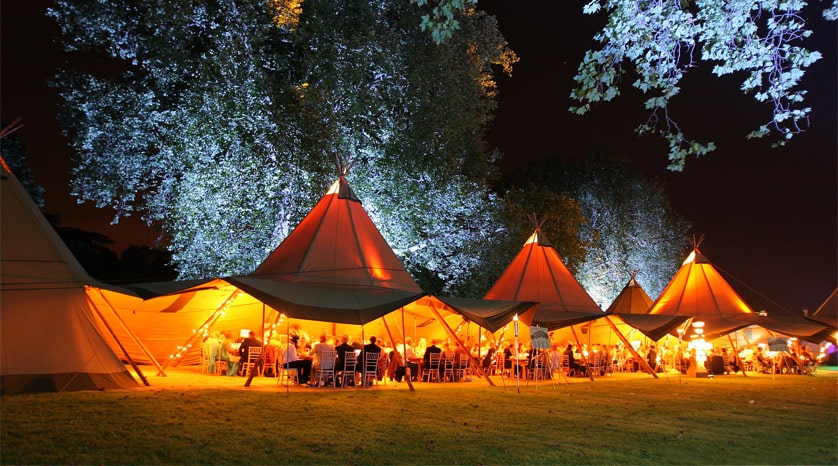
{"points": [[627, 224], [662, 39], [410, 115], [226, 121], [199, 131], [14, 155]]}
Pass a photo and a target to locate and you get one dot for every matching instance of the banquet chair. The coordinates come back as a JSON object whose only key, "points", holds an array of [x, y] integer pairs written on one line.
{"points": [[432, 371], [205, 362], [253, 354], [462, 367], [289, 375], [326, 371], [497, 367], [269, 364], [448, 369], [350, 362], [370, 373]]}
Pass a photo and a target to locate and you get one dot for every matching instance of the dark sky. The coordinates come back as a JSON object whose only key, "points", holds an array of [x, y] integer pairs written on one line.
{"points": [[768, 215]]}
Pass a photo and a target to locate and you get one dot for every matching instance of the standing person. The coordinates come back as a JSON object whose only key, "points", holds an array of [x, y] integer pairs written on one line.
{"points": [[292, 360], [652, 358]]}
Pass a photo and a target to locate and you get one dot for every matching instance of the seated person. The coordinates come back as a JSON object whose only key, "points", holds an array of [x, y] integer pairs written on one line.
{"points": [[244, 349], [291, 360], [573, 367]]}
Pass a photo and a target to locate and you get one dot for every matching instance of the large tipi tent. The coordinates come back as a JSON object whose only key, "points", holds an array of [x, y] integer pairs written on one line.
{"points": [[48, 339], [698, 290], [333, 274]]}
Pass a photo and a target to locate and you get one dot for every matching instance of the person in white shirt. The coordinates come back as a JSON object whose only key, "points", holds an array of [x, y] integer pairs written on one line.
{"points": [[291, 360]]}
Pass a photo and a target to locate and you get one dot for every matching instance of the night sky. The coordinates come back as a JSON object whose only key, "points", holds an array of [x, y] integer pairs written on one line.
{"points": [[768, 215]]}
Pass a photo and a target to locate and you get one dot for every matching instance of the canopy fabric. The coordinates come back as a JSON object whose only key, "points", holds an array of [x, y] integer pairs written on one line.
{"points": [[699, 291], [827, 313], [631, 300], [538, 274], [492, 315], [48, 341]]}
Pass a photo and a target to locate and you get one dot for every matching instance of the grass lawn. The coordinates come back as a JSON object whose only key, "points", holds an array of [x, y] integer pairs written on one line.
{"points": [[624, 419]]}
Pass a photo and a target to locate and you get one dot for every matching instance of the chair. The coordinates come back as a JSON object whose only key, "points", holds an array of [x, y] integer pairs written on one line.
{"points": [[250, 363], [350, 362], [497, 367], [205, 362], [269, 365], [286, 374], [566, 365], [326, 371], [370, 373], [462, 367], [448, 369], [540, 368], [432, 371]]}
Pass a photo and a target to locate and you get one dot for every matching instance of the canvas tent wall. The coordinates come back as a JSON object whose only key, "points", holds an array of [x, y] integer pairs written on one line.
{"points": [[48, 340]]}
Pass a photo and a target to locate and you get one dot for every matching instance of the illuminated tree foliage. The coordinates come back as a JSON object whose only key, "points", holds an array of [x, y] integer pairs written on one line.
{"points": [[662, 39], [628, 224], [227, 118]]}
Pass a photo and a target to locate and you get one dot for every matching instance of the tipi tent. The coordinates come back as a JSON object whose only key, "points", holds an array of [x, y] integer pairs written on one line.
{"points": [[48, 339], [332, 273], [698, 290]]}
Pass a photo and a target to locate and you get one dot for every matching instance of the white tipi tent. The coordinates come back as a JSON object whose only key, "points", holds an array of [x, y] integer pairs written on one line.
{"points": [[48, 341]]}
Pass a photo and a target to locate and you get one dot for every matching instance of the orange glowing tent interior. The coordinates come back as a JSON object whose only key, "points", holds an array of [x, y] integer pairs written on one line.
{"points": [[48, 339]]}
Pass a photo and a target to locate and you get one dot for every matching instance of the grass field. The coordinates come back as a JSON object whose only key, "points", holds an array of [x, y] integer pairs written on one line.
{"points": [[624, 419]]}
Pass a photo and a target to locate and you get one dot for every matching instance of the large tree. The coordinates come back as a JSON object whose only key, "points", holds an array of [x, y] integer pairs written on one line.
{"points": [[227, 119]]}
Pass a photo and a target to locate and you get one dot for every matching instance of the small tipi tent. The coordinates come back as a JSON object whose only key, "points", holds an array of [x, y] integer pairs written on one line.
{"points": [[48, 341]]}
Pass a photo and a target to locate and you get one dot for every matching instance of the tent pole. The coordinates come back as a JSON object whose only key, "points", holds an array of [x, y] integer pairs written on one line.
{"points": [[133, 335], [397, 358], [454, 336], [261, 359], [119, 343], [404, 348], [631, 348], [207, 323]]}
